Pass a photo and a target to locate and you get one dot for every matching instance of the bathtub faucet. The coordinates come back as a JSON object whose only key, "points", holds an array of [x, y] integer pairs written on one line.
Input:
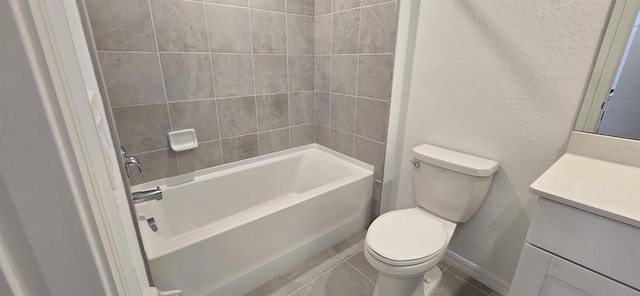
{"points": [[147, 195]]}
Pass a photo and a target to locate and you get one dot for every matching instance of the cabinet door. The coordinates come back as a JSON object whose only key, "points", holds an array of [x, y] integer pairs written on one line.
{"points": [[542, 274]]}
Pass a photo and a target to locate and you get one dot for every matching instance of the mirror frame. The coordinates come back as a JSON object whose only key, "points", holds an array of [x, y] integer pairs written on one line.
{"points": [[614, 43]]}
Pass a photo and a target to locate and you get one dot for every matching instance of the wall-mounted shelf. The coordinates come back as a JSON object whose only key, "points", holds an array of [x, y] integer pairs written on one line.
{"points": [[183, 140]]}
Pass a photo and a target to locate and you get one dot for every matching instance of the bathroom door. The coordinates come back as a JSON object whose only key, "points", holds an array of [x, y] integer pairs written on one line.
{"points": [[108, 135]]}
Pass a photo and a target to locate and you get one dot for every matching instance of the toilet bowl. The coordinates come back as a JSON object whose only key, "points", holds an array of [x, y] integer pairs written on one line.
{"points": [[405, 246]]}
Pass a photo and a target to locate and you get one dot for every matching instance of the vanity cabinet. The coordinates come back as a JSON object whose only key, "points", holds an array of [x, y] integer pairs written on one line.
{"points": [[573, 252], [546, 274]]}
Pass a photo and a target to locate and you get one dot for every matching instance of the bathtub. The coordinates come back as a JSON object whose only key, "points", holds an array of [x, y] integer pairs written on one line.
{"points": [[228, 229]]}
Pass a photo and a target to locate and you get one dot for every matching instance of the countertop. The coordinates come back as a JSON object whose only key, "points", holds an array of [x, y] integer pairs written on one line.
{"points": [[604, 188]]}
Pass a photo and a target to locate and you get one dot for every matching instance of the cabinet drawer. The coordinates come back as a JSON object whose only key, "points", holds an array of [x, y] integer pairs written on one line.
{"points": [[601, 244], [543, 274]]}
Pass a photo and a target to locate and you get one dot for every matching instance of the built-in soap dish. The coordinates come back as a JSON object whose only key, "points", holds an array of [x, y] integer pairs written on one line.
{"points": [[183, 140]]}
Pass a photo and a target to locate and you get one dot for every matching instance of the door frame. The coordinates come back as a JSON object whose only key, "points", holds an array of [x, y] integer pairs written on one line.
{"points": [[607, 63], [96, 197]]}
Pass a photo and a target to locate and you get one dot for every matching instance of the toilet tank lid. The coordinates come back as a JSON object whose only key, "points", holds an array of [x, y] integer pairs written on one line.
{"points": [[455, 161]]}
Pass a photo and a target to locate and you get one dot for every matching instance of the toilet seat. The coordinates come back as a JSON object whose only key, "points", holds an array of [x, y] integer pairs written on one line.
{"points": [[406, 237]]}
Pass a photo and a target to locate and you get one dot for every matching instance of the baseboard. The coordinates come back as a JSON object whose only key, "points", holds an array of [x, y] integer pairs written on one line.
{"points": [[480, 274]]}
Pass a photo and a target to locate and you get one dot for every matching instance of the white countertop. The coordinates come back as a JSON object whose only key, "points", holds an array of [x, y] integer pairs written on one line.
{"points": [[604, 188]]}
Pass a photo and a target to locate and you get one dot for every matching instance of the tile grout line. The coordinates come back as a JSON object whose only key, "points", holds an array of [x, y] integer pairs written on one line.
{"points": [[253, 69], [317, 277], [464, 281], [354, 8], [355, 111], [226, 138], [286, 42], [358, 271], [249, 7], [213, 78], [164, 86], [240, 53], [221, 98], [330, 70]]}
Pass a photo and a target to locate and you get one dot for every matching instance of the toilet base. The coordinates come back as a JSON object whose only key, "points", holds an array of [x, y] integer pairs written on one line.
{"points": [[421, 285]]}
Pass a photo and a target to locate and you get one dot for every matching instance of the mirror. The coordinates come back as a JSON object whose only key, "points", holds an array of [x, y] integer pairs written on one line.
{"points": [[612, 101]]}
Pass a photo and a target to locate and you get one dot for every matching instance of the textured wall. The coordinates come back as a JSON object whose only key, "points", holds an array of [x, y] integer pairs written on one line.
{"points": [[354, 61], [240, 72], [502, 80]]}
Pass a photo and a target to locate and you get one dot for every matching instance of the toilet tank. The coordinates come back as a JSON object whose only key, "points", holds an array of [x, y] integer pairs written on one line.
{"points": [[451, 184]]}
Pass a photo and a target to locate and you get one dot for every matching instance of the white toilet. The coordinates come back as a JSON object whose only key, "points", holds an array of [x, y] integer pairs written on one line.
{"points": [[405, 245]]}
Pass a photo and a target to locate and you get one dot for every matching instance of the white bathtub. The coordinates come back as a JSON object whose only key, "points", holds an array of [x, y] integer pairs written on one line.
{"points": [[229, 229]]}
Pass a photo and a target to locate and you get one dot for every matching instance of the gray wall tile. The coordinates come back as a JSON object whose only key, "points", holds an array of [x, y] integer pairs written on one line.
{"points": [[344, 71], [199, 115], [271, 73], [323, 108], [244, 3], [301, 6], [343, 112], [302, 107], [375, 76], [121, 25], [301, 72], [300, 34], [345, 31], [229, 29], [233, 75], [240, 148], [372, 153], [339, 5], [341, 142], [237, 116], [323, 6], [323, 34], [157, 165], [273, 141], [378, 28], [275, 5], [323, 73], [132, 78], [208, 154], [187, 76], [142, 128], [302, 135], [269, 32], [273, 111], [371, 119], [180, 25], [323, 135]]}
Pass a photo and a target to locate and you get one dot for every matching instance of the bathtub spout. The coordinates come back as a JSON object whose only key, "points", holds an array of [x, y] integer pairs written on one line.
{"points": [[147, 195]]}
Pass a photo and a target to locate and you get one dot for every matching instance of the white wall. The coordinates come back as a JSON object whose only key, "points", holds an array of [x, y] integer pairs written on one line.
{"points": [[502, 80]]}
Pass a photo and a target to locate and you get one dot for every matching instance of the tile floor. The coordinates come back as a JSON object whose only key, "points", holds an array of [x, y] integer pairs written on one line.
{"points": [[342, 270]]}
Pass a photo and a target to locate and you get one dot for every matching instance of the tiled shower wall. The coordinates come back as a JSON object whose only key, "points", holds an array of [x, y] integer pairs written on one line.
{"points": [[354, 42], [240, 72], [243, 74]]}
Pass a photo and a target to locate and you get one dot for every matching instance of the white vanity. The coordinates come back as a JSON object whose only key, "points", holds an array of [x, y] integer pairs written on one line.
{"points": [[585, 236]]}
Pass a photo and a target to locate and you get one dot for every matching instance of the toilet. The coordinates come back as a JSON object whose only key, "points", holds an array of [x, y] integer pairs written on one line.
{"points": [[405, 246]]}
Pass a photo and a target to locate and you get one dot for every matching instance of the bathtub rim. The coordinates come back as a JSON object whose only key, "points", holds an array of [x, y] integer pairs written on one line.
{"points": [[183, 179]]}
